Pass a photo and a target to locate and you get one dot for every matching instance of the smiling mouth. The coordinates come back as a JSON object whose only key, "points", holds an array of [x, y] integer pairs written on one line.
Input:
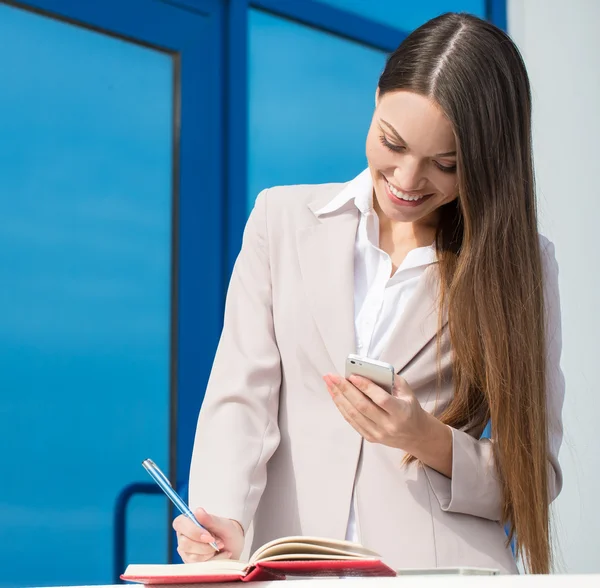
{"points": [[403, 195]]}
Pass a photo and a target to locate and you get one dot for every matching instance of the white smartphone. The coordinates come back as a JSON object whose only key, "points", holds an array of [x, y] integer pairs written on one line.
{"points": [[378, 372]]}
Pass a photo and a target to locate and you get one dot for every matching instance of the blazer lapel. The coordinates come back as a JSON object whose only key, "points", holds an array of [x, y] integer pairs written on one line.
{"points": [[418, 324], [326, 255]]}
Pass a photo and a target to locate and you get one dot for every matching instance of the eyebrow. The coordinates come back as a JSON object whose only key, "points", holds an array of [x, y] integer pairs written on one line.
{"points": [[399, 138]]}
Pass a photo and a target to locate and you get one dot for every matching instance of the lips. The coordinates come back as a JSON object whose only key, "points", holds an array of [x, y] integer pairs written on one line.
{"points": [[400, 197], [405, 195]]}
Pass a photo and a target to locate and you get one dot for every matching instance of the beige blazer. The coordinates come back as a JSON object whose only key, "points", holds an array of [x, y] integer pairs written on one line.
{"points": [[272, 448]]}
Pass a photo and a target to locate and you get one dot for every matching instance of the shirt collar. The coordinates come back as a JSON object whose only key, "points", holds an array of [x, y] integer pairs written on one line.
{"points": [[357, 192], [419, 257]]}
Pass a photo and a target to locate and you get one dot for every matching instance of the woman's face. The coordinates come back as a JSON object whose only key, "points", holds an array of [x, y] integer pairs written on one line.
{"points": [[411, 150]]}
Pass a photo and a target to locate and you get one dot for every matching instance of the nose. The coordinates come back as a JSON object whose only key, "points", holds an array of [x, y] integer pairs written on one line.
{"points": [[408, 176]]}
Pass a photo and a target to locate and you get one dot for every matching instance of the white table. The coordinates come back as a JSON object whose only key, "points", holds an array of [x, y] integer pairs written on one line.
{"points": [[523, 581]]}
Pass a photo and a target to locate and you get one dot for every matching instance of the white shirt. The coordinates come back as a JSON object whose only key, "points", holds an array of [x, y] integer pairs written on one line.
{"points": [[379, 300]]}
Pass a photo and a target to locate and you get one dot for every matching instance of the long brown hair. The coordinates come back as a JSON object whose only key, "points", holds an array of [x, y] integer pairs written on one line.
{"points": [[489, 257]]}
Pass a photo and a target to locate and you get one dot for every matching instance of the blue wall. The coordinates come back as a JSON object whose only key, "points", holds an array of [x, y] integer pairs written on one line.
{"points": [[85, 234]]}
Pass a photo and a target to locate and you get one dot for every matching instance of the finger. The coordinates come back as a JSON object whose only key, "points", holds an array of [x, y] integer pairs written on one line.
{"points": [[190, 545], [185, 526], [343, 389], [191, 557], [195, 558], [365, 428], [351, 401], [378, 396], [352, 414], [402, 388]]}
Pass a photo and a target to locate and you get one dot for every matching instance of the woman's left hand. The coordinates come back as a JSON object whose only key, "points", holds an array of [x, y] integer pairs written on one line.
{"points": [[396, 420]]}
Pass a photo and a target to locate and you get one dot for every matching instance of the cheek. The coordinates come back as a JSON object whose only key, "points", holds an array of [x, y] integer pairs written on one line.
{"points": [[448, 186]]}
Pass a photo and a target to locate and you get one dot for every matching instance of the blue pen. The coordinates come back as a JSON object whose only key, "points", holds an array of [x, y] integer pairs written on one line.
{"points": [[166, 487]]}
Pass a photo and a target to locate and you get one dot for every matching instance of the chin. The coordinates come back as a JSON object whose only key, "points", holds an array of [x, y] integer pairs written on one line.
{"points": [[425, 214]]}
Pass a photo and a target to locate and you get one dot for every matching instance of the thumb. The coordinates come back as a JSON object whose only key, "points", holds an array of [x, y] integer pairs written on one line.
{"points": [[401, 388]]}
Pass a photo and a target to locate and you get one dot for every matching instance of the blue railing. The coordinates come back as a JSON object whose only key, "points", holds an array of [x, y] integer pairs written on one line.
{"points": [[120, 524]]}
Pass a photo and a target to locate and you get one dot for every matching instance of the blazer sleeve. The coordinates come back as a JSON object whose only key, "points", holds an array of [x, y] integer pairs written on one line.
{"points": [[474, 488], [237, 428]]}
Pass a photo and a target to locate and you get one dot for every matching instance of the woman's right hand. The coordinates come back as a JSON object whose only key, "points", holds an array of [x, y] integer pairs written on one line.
{"points": [[193, 542]]}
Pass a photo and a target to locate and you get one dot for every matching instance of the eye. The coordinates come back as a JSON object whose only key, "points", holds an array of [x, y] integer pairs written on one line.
{"points": [[447, 169], [391, 146]]}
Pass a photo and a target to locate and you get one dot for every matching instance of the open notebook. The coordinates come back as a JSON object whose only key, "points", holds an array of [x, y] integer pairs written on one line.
{"points": [[289, 556]]}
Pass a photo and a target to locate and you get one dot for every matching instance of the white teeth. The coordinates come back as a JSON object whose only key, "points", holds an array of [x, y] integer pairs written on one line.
{"points": [[402, 195]]}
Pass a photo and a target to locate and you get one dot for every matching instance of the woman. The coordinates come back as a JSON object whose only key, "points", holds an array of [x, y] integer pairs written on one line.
{"points": [[429, 260]]}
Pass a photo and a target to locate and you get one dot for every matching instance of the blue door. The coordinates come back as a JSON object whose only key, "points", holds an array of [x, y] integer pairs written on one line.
{"points": [[110, 273]]}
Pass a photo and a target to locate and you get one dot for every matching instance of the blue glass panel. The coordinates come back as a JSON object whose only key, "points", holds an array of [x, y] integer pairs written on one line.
{"points": [[85, 243], [407, 15], [311, 97]]}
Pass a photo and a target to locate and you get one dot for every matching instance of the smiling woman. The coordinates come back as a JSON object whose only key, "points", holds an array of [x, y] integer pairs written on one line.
{"points": [[414, 173], [429, 260]]}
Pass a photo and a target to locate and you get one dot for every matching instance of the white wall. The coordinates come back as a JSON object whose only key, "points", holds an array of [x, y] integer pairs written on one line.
{"points": [[560, 41]]}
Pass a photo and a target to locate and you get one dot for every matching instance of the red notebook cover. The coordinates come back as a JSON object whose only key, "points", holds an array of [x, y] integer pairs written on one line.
{"points": [[317, 569], [278, 570]]}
